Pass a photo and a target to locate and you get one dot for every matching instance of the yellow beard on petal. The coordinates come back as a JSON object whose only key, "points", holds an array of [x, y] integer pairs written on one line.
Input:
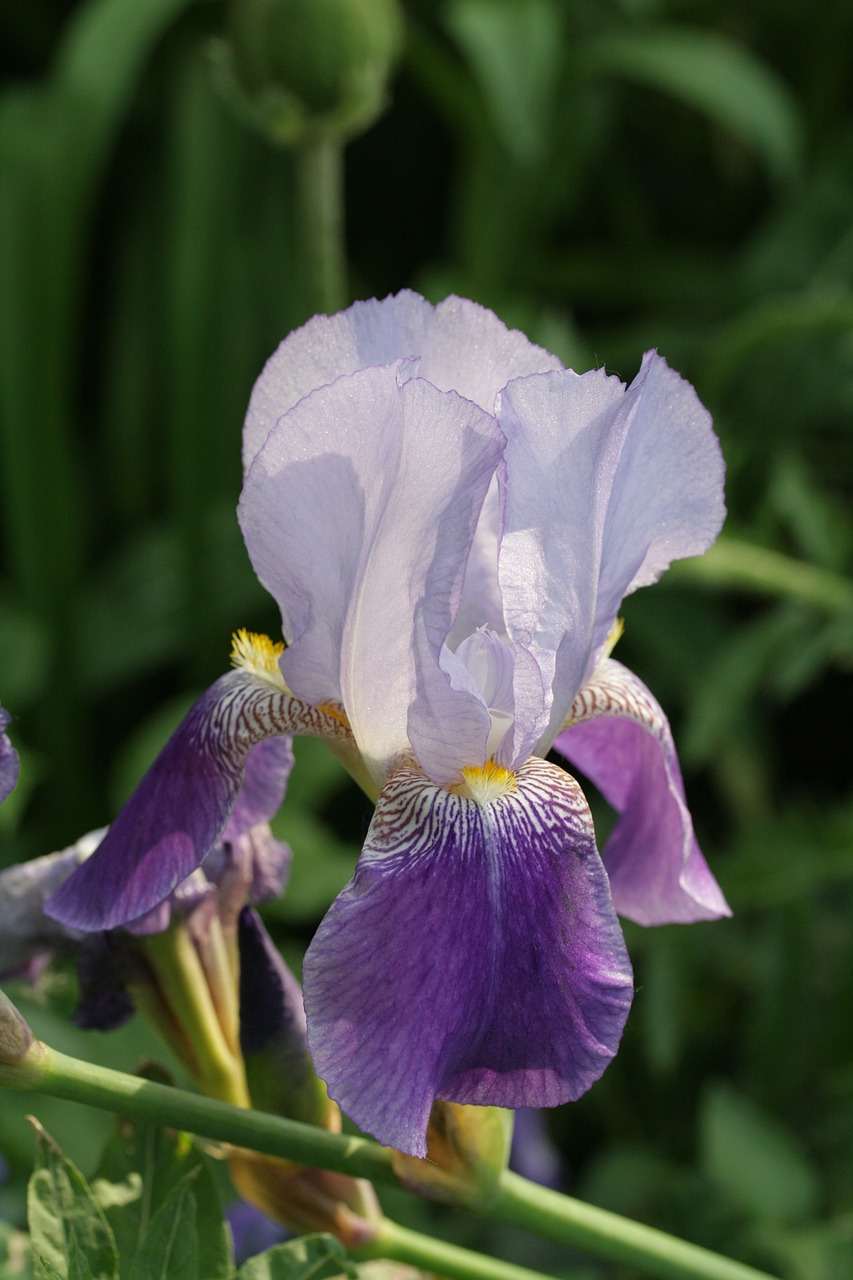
{"points": [[486, 783], [258, 655]]}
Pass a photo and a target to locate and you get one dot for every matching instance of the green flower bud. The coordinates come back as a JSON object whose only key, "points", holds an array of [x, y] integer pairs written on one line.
{"points": [[23, 1059], [467, 1151], [311, 68]]}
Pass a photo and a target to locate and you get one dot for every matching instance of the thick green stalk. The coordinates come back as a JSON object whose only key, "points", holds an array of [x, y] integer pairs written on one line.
{"points": [[399, 1244], [577, 1225], [320, 224], [607, 1235]]}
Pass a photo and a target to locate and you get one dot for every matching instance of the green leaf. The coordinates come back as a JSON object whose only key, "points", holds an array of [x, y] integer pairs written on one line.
{"points": [[140, 1169], [720, 78], [515, 48], [755, 1158], [169, 1248], [15, 1254], [309, 1258], [78, 1261], [65, 1219]]}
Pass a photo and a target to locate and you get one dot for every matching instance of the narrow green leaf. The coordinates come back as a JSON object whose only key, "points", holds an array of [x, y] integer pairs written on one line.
{"points": [[755, 1158], [65, 1219], [515, 48], [720, 78], [169, 1248], [309, 1258]]}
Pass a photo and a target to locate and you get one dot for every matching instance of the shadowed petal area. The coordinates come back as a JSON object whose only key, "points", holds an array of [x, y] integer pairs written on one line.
{"points": [[461, 347], [9, 762], [621, 739], [382, 484], [605, 487], [475, 956], [179, 810]]}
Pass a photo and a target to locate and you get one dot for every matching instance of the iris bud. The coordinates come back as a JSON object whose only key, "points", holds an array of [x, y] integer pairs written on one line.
{"points": [[467, 1151], [312, 68], [23, 1059]]}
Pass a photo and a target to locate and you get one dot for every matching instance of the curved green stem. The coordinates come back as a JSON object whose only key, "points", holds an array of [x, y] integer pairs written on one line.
{"points": [[578, 1225], [733, 563]]}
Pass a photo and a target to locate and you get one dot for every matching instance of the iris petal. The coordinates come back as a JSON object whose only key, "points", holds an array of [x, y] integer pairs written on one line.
{"points": [[621, 739], [382, 485], [460, 347], [180, 809], [475, 956], [9, 763], [605, 487]]}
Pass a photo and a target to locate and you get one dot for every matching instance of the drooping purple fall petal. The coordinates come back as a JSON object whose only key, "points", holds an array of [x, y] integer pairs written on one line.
{"points": [[459, 346], [180, 809], [475, 956], [383, 485], [621, 739]]}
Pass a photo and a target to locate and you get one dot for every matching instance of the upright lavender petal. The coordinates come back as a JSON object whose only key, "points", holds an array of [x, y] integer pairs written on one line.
{"points": [[475, 956], [383, 486], [460, 347], [621, 739], [9, 763], [604, 488]]}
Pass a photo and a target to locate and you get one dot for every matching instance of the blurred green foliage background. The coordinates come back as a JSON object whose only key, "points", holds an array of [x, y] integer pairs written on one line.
{"points": [[607, 175]]}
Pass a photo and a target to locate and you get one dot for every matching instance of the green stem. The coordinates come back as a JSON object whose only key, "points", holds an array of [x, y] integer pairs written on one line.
{"points": [[607, 1235], [139, 1099], [399, 1244], [733, 563], [578, 1225], [320, 224]]}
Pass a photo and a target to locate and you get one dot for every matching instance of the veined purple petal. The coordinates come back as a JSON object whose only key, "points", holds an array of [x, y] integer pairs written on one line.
{"points": [[9, 763], [461, 347], [180, 809], [382, 486], [604, 488], [475, 956], [267, 770], [270, 998], [621, 739]]}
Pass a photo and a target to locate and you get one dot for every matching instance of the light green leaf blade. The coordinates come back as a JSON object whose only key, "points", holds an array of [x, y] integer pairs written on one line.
{"points": [[65, 1219], [716, 76], [169, 1248], [514, 47], [755, 1158], [318, 1257]]}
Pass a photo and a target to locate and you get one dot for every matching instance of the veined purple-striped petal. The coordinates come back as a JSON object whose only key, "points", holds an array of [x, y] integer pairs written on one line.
{"points": [[180, 809], [621, 739], [604, 488], [267, 769], [9, 763], [461, 347], [475, 956], [358, 514]]}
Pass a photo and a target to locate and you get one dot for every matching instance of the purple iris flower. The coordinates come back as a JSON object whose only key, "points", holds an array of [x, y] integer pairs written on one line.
{"points": [[9, 762], [449, 521]]}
